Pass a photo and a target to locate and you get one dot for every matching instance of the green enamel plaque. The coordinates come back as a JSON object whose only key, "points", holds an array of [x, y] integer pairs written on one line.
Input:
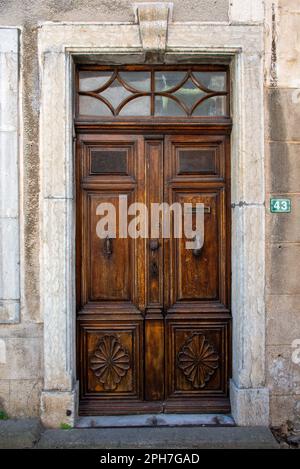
{"points": [[280, 205]]}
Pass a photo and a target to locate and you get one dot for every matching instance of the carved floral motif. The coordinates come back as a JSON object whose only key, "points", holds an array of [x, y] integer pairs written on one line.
{"points": [[110, 361], [198, 360]]}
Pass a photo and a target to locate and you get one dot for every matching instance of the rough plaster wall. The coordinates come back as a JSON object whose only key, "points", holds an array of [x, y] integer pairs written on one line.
{"points": [[16, 12], [283, 230], [21, 376]]}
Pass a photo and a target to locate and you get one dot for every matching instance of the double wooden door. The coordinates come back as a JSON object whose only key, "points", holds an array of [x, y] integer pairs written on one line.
{"points": [[153, 317]]}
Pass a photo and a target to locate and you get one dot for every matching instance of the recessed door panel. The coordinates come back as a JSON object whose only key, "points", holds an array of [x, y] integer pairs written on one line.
{"points": [[196, 161], [110, 353], [197, 273], [111, 258], [196, 158], [197, 351]]}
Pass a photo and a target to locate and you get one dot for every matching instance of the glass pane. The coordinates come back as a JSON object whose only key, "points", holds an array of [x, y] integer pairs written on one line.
{"points": [[189, 93], [109, 161], [215, 106], [90, 81], [215, 81], [115, 93], [167, 107], [199, 161], [138, 80], [137, 107], [89, 106], [167, 80]]}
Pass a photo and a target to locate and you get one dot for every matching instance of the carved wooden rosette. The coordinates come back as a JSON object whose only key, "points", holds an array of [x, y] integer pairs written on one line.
{"points": [[198, 360], [110, 362]]}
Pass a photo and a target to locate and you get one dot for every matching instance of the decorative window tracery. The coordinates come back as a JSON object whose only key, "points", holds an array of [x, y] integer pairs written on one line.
{"points": [[189, 92]]}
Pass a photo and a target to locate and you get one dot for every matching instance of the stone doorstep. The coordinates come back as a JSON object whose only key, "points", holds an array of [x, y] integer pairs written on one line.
{"points": [[17, 434], [155, 420]]}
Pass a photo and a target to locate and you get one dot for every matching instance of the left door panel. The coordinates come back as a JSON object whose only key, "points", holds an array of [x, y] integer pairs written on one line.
{"points": [[110, 274]]}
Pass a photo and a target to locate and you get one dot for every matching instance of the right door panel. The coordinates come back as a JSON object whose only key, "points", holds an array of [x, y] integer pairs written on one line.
{"points": [[197, 282]]}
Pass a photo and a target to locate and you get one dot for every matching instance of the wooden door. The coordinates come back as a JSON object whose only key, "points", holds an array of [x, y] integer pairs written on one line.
{"points": [[153, 317]]}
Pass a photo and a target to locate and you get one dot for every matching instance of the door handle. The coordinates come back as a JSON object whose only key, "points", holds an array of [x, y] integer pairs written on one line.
{"points": [[206, 209], [198, 249], [107, 246]]}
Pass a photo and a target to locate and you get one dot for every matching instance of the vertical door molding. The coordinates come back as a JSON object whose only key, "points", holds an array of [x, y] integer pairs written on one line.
{"points": [[9, 177], [242, 45]]}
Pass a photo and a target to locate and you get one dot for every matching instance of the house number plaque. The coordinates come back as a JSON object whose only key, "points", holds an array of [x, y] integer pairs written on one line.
{"points": [[280, 205]]}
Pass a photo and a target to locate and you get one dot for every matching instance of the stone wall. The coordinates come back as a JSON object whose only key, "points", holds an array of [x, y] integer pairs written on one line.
{"points": [[283, 230]]}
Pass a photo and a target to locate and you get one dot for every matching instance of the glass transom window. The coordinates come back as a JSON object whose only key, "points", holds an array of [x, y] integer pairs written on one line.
{"points": [[149, 92]]}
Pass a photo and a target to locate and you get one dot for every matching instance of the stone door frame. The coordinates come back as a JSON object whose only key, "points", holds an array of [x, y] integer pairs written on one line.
{"points": [[242, 45]]}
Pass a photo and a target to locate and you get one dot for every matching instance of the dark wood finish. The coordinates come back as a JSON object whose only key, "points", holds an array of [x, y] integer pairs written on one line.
{"points": [[153, 319]]}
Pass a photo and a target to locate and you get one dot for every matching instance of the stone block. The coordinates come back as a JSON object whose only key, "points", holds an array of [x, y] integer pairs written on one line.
{"points": [[284, 227], [25, 398], [53, 97], [249, 407], [9, 311], [288, 49], [9, 40], [59, 407], [283, 376], [283, 167], [283, 325], [24, 330], [248, 308], [246, 12], [285, 29], [23, 359], [283, 269], [284, 114], [291, 6], [55, 285], [2, 351], [9, 174], [278, 304], [200, 10], [162, 437], [9, 249], [9, 73], [282, 409], [19, 434]]}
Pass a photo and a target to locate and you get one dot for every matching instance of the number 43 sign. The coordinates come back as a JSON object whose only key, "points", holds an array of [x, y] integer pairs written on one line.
{"points": [[280, 205]]}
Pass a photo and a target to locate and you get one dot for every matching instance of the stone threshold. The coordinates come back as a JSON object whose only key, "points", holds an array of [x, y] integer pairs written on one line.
{"points": [[155, 420], [17, 434]]}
